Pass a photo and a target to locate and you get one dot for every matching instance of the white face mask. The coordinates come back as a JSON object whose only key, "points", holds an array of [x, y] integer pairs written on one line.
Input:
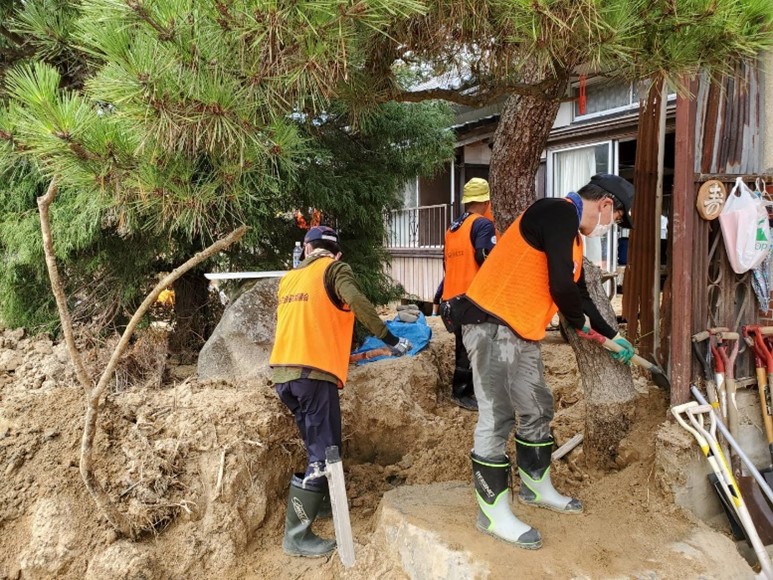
{"points": [[601, 229]]}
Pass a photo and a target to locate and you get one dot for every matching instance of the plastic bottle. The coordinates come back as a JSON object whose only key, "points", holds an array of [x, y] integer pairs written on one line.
{"points": [[297, 251]]}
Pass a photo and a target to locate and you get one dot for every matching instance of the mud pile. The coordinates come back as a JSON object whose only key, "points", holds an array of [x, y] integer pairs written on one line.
{"points": [[202, 468]]}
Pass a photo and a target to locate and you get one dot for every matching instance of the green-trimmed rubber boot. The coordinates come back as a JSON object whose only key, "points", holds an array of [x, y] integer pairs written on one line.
{"points": [[302, 509], [492, 484], [533, 458]]}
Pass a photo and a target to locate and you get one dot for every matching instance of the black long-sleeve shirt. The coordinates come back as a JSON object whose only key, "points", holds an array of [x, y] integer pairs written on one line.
{"points": [[551, 226]]}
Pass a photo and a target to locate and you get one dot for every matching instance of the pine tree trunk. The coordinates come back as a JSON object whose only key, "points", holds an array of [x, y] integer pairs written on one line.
{"points": [[607, 384], [519, 140], [190, 309]]}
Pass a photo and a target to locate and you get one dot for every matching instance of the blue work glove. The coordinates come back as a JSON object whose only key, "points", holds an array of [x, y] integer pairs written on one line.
{"points": [[403, 345], [627, 353]]}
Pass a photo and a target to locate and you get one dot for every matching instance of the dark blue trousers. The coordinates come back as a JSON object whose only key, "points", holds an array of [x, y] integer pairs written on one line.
{"points": [[317, 411]]}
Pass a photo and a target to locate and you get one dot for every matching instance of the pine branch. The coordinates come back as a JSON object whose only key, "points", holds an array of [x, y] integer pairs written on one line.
{"points": [[479, 98], [164, 34], [12, 36]]}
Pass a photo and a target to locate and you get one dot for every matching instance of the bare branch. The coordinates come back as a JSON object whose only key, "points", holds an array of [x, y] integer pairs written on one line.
{"points": [[94, 394], [12, 36], [168, 280], [44, 203], [118, 520], [476, 99], [450, 95]]}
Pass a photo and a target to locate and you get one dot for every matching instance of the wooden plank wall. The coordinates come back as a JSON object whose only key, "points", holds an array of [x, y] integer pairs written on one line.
{"points": [[419, 272], [718, 138], [638, 288], [727, 144]]}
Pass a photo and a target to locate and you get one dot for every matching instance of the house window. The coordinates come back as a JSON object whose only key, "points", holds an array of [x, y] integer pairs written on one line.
{"points": [[571, 168], [604, 98], [411, 193]]}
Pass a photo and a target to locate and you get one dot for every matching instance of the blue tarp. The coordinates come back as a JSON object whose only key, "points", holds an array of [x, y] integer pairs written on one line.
{"points": [[419, 333]]}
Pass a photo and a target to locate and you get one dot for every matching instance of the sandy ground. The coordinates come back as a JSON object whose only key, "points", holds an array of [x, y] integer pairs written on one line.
{"points": [[202, 468]]}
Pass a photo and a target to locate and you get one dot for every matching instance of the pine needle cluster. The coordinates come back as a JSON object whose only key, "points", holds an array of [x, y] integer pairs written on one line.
{"points": [[171, 122]]}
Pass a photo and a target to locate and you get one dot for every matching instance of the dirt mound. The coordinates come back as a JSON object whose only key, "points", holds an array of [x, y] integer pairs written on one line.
{"points": [[203, 467]]}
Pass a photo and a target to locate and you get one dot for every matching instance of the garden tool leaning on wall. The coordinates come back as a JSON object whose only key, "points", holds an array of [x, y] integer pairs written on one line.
{"points": [[710, 362], [724, 348], [694, 417], [760, 511], [763, 363], [705, 358]]}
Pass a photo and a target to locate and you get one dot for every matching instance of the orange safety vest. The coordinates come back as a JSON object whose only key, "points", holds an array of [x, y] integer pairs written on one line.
{"points": [[513, 284], [459, 252], [490, 215], [311, 331]]}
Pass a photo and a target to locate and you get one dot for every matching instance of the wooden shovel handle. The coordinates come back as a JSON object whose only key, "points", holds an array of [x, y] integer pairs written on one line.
{"points": [[614, 347], [701, 336], [767, 412], [368, 354], [728, 335]]}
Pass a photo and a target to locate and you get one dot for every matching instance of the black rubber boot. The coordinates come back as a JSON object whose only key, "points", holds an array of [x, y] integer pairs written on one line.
{"points": [[302, 509], [462, 391], [325, 508], [492, 484], [533, 459]]}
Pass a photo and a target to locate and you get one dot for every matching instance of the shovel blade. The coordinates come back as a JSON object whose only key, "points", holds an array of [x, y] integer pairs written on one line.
{"points": [[758, 506], [660, 378], [340, 506]]}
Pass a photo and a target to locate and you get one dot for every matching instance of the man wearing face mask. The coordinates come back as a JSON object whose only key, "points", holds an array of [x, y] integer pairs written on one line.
{"points": [[534, 271]]}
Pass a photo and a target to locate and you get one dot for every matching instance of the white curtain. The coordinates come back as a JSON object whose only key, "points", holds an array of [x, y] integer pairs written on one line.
{"points": [[573, 169]]}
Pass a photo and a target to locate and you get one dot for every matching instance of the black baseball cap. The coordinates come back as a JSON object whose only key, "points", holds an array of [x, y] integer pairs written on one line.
{"points": [[621, 189]]}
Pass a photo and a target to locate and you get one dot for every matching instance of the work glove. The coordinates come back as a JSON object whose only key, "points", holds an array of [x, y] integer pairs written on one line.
{"points": [[627, 353], [403, 345]]}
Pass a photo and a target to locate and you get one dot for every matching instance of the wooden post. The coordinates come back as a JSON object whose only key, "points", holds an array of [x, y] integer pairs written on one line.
{"points": [[661, 114], [682, 228]]}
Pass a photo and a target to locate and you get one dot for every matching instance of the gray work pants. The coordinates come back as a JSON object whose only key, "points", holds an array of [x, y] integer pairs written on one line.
{"points": [[509, 382]]}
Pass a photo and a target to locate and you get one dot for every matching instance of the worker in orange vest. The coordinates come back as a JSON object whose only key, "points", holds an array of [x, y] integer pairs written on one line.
{"points": [[534, 271], [318, 302], [468, 242]]}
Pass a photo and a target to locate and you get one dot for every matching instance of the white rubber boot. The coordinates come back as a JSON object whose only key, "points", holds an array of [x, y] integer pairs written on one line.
{"points": [[492, 484], [537, 490]]}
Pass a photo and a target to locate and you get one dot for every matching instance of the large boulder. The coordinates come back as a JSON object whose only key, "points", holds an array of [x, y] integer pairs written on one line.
{"points": [[240, 345]]}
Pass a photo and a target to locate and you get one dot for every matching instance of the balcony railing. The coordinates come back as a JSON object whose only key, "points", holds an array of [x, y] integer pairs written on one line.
{"points": [[417, 227]]}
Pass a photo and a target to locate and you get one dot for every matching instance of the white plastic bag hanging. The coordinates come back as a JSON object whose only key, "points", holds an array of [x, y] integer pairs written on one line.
{"points": [[744, 223]]}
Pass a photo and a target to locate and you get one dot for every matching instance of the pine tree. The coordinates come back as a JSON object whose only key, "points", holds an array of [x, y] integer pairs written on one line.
{"points": [[185, 119]]}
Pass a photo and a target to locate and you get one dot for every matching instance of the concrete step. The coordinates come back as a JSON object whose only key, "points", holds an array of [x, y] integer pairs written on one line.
{"points": [[428, 532]]}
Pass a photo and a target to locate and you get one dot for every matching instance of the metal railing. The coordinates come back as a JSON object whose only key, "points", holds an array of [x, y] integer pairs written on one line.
{"points": [[417, 227]]}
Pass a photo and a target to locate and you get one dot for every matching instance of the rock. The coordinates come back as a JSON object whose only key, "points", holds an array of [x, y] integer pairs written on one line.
{"points": [[52, 538], [48, 384], [241, 343], [16, 335], [123, 561], [44, 347], [407, 538], [61, 353], [9, 361]]}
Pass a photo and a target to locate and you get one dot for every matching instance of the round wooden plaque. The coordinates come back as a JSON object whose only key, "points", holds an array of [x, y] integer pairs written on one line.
{"points": [[711, 199]]}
